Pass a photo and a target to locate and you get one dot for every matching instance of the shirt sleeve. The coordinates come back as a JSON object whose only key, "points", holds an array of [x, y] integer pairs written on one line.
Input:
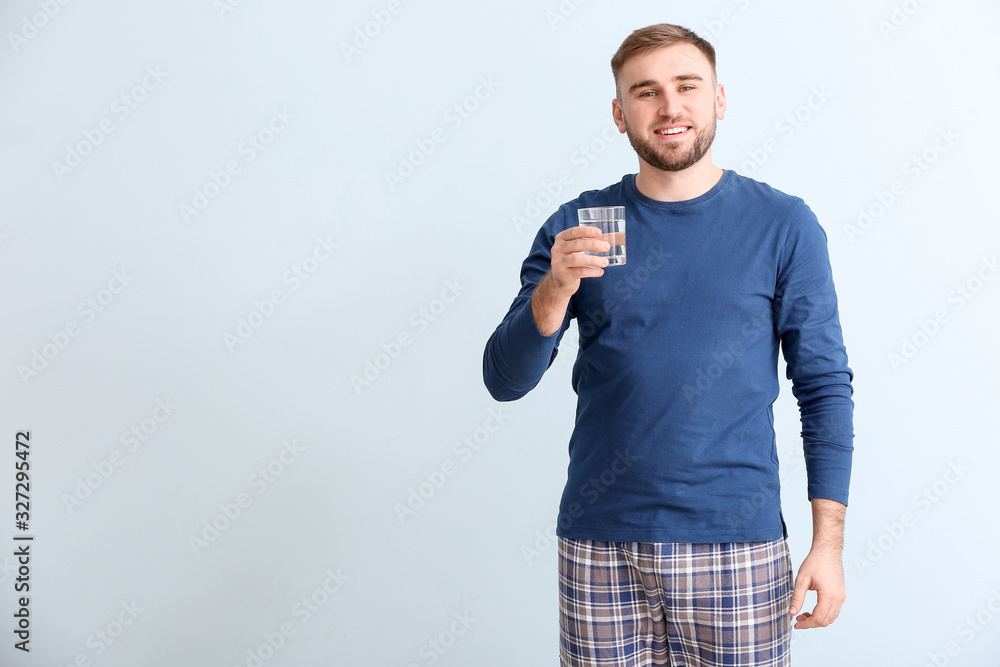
{"points": [[518, 354], [808, 325]]}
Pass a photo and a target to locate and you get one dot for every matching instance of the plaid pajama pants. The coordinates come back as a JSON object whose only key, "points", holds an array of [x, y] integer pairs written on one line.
{"points": [[643, 604]]}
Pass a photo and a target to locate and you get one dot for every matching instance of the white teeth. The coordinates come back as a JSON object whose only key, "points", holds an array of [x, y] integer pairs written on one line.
{"points": [[676, 130]]}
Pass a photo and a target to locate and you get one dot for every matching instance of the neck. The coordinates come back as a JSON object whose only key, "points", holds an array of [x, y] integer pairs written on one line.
{"points": [[682, 185]]}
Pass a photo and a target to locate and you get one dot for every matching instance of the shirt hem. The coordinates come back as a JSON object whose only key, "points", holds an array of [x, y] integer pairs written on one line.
{"points": [[620, 534]]}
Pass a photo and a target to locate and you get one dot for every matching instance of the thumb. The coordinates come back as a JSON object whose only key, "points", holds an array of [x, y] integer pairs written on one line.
{"points": [[799, 594]]}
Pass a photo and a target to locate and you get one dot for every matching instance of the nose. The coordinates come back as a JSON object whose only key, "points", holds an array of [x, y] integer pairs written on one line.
{"points": [[670, 105]]}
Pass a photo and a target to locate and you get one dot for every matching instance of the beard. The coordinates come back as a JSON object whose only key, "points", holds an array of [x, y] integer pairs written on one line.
{"points": [[672, 158]]}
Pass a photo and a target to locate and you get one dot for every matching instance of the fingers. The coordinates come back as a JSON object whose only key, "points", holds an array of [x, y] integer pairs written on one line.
{"points": [[579, 239], [572, 254], [593, 268], [814, 619], [589, 272], [828, 606], [571, 260], [577, 257], [565, 278], [827, 609], [820, 619], [799, 593], [575, 245], [578, 233]]}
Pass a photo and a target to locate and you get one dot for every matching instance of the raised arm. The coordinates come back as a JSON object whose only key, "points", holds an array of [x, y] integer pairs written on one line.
{"points": [[526, 342], [550, 299]]}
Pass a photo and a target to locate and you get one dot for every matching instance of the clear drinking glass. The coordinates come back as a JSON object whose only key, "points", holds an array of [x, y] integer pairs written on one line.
{"points": [[611, 221]]}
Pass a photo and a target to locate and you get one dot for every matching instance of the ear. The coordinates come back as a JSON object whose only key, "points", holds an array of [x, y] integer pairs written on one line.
{"points": [[720, 102], [618, 114]]}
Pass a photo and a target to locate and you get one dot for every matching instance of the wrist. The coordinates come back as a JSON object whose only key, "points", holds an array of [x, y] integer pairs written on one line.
{"points": [[551, 292], [548, 306], [828, 526]]}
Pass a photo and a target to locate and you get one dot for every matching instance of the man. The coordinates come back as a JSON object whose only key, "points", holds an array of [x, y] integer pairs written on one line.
{"points": [[672, 547]]}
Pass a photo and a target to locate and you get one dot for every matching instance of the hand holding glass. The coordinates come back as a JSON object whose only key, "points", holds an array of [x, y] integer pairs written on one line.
{"points": [[611, 221]]}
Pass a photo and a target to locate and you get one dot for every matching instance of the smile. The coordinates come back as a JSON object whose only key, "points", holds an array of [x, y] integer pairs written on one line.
{"points": [[673, 130]]}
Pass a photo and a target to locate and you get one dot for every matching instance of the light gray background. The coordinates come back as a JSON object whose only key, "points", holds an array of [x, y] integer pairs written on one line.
{"points": [[479, 546]]}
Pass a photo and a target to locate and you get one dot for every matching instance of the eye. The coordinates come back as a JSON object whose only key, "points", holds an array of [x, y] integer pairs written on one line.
{"points": [[687, 87], [646, 93]]}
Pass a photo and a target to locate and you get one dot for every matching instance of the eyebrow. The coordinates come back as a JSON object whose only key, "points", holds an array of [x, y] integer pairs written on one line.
{"points": [[653, 82]]}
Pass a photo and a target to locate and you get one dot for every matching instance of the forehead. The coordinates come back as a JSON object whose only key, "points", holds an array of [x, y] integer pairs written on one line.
{"points": [[665, 62]]}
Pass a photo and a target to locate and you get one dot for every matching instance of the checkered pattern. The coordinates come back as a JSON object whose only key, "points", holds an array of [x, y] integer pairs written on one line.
{"points": [[642, 604]]}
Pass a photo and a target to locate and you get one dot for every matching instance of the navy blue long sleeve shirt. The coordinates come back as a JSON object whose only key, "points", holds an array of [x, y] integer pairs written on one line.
{"points": [[677, 366]]}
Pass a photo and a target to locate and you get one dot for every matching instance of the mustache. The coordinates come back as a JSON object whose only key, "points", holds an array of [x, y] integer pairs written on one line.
{"points": [[678, 121]]}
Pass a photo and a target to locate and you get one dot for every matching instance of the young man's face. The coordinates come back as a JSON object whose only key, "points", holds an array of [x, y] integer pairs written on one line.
{"points": [[669, 89]]}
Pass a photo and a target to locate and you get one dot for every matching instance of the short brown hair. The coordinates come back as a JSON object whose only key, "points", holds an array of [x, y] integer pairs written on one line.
{"points": [[657, 36]]}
